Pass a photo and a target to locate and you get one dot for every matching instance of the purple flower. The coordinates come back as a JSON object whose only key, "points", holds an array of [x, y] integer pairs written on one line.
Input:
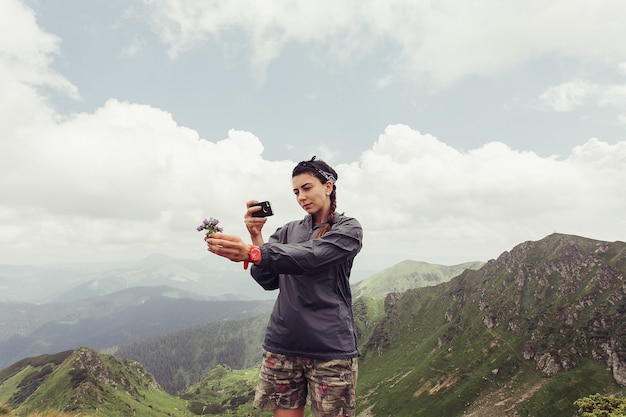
{"points": [[210, 225]]}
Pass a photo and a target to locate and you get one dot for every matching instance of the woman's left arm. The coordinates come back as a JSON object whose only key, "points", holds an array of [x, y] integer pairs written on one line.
{"points": [[342, 242]]}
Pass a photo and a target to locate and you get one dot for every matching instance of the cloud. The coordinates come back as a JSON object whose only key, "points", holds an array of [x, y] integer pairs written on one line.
{"points": [[134, 47], [575, 94], [26, 57], [441, 42], [127, 180], [421, 192], [26, 53], [568, 96]]}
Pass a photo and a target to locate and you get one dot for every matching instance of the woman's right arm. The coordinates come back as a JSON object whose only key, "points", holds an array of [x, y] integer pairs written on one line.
{"points": [[254, 224], [266, 277]]}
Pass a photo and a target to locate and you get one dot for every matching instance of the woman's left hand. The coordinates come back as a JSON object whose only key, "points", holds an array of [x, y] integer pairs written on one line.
{"points": [[228, 246]]}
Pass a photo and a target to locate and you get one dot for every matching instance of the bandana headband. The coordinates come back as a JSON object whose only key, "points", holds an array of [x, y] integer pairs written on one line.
{"points": [[327, 175]]}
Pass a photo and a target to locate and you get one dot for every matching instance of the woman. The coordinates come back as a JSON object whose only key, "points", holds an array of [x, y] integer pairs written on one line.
{"points": [[310, 343]]}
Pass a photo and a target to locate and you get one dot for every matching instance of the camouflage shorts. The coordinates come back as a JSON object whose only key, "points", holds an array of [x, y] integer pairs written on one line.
{"points": [[285, 381]]}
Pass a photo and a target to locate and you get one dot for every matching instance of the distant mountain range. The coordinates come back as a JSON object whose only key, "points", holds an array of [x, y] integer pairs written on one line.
{"points": [[209, 277], [107, 321], [524, 335], [126, 304]]}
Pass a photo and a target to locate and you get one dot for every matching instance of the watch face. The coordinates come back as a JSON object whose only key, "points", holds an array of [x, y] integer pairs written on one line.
{"points": [[254, 254]]}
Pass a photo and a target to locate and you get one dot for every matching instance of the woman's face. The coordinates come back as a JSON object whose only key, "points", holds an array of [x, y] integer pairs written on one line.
{"points": [[312, 195]]}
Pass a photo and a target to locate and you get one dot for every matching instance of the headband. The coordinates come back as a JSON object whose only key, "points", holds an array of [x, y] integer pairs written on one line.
{"points": [[308, 164]]}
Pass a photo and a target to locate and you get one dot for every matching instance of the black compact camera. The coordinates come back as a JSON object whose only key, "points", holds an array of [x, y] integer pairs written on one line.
{"points": [[266, 209]]}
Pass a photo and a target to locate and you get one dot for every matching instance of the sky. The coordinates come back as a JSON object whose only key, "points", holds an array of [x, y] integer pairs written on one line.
{"points": [[458, 129]]}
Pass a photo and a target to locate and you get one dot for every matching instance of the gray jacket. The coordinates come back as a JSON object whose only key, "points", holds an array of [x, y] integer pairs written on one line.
{"points": [[312, 315]]}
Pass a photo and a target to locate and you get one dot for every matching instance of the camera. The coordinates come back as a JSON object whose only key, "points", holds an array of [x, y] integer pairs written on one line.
{"points": [[266, 209]]}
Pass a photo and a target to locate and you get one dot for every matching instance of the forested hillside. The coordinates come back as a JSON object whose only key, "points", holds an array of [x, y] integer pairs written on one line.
{"points": [[180, 359]]}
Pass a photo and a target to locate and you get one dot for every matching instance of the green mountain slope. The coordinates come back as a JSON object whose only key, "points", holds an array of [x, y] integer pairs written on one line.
{"points": [[525, 335], [86, 382], [406, 275], [225, 391]]}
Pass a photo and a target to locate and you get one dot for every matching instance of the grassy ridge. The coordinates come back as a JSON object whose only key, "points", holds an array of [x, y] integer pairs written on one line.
{"points": [[86, 382], [407, 275], [225, 391]]}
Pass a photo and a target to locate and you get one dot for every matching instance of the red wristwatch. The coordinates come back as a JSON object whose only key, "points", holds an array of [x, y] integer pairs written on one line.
{"points": [[254, 253]]}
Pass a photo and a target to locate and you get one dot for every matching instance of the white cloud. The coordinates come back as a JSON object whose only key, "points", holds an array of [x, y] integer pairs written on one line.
{"points": [[578, 93], [24, 62], [134, 47], [383, 82], [26, 57], [568, 96], [127, 181], [441, 41], [614, 95], [416, 193]]}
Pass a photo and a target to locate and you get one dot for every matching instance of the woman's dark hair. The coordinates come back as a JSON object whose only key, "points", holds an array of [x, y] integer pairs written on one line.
{"points": [[324, 172]]}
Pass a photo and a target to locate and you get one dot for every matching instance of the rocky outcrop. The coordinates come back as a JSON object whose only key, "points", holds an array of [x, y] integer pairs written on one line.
{"points": [[93, 374], [567, 291], [565, 294]]}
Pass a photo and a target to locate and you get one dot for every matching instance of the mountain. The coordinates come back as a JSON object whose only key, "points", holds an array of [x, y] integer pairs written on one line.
{"points": [[210, 277], [408, 274], [85, 382], [525, 335], [38, 283], [104, 322]]}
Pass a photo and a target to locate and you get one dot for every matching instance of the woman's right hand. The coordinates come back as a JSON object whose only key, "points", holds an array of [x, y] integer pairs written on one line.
{"points": [[254, 224]]}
